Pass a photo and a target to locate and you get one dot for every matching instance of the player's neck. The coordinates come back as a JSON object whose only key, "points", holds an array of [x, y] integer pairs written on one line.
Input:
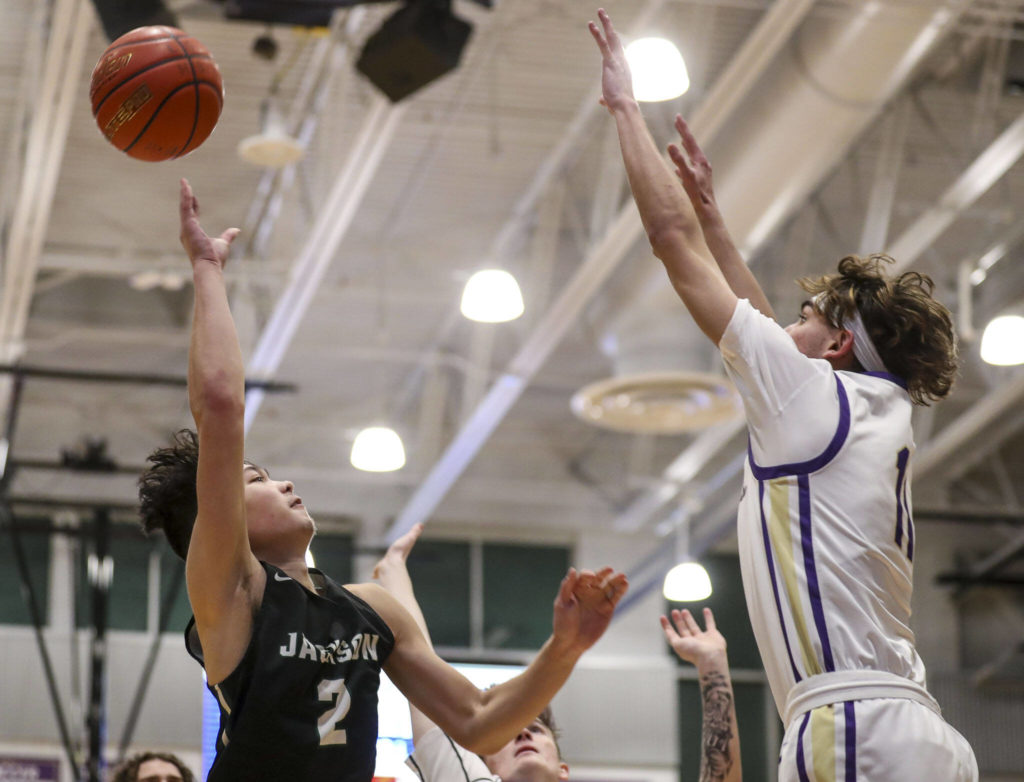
{"points": [[296, 568]]}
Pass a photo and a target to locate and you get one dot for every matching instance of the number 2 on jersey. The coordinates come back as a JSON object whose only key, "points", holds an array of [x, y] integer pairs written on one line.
{"points": [[336, 693]]}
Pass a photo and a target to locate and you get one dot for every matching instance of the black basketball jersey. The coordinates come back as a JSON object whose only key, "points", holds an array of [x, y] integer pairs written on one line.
{"points": [[302, 703]]}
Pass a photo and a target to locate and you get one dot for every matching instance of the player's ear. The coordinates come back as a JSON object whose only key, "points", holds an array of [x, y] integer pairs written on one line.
{"points": [[840, 349], [563, 772]]}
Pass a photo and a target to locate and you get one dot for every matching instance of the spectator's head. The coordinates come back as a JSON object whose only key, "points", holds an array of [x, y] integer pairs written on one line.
{"points": [[152, 767]]}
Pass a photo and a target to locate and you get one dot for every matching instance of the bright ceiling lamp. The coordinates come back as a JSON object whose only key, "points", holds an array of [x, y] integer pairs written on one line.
{"points": [[659, 72], [687, 582], [378, 449], [1002, 343], [492, 296], [310, 562]]}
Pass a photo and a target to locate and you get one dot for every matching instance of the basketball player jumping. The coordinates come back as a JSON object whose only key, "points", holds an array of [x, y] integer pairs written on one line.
{"points": [[292, 657], [825, 530]]}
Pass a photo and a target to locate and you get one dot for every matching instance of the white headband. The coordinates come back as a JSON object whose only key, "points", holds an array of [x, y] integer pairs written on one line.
{"points": [[863, 348]]}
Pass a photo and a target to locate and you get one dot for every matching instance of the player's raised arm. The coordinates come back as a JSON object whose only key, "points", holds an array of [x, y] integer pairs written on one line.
{"points": [[672, 227], [220, 566], [393, 574], [484, 721], [720, 739], [694, 171]]}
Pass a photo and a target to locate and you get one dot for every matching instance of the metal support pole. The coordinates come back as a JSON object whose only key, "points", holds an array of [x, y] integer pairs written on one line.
{"points": [[101, 573], [28, 594], [154, 650]]}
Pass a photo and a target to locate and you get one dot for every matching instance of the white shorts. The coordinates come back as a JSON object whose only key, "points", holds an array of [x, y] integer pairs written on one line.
{"points": [[876, 740]]}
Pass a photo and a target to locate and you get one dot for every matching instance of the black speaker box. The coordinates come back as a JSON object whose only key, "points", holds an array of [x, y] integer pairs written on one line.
{"points": [[416, 45]]}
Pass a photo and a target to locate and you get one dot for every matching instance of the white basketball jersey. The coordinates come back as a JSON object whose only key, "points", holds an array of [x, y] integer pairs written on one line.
{"points": [[826, 536]]}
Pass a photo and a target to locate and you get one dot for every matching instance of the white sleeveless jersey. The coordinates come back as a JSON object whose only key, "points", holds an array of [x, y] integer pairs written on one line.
{"points": [[826, 536]]}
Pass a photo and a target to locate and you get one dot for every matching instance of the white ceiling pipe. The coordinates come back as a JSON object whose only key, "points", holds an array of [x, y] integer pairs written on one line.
{"points": [[47, 138], [801, 116], [316, 255]]}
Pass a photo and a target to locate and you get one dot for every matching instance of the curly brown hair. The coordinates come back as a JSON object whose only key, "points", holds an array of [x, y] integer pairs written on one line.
{"points": [[167, 491], [129, 770], [912, 331]]}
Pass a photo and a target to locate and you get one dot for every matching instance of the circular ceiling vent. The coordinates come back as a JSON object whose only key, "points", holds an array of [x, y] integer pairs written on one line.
{"points": [[657, 402]]}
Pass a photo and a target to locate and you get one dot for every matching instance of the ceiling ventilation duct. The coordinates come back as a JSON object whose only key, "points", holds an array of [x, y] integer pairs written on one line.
{"points": [[661, 383], [801, 116]]}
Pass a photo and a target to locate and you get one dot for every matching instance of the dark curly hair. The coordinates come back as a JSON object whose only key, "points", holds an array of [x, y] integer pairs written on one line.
{"points": [[912, 331], [129, 770], [167, 491]]}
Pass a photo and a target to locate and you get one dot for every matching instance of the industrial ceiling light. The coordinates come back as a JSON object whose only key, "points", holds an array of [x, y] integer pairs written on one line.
{"points": [[1002, 342], [272, 147], [687, 582], [378, 449], [659, 72], [492, 296]]}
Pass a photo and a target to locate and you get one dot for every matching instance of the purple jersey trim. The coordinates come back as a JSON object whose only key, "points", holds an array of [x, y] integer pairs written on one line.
{"points": [[811, 573], [775, 586], [888, 376], [815, 464], [910, 534], [901, 470], [801, 769], [851, 742]]}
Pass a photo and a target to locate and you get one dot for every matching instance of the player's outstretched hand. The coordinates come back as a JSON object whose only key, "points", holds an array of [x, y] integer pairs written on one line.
{"points": [[616, 80], [398, 552], [693, 168], [585, 604], [197, 244], [689, 641]]}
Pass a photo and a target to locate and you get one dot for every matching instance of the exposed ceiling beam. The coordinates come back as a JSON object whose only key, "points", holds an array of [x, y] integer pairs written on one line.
{"points": [[70, 24], [953, 437], [990, 166]]}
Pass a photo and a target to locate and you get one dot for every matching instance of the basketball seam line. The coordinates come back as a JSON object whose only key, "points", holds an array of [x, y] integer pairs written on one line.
{"points": [[158, 108], [195, 114], [148, 68]]}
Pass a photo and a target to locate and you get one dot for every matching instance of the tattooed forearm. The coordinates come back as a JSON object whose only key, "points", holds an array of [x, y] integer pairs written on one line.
{"points": [[716, 757]]}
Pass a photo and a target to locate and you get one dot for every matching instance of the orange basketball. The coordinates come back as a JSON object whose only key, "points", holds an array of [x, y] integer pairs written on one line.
{"points": [[156, 93]]}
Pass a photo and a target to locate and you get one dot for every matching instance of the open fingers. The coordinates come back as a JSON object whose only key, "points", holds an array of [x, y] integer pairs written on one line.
{"points": [[602, 44], [615, 587], [682, 163], [187, 204], [565, 591], [709, 620], [670, 632], [612, 37], [689, 140]]}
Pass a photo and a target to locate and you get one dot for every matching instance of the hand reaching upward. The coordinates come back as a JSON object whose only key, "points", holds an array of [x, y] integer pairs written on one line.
{"points": [[693, 169], [616, 79], [585, 605], [689, 641], [197, 244]]}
